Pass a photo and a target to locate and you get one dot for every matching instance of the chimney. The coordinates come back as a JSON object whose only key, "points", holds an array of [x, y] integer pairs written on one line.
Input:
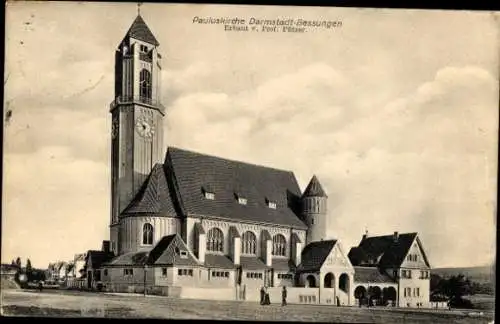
{"points": [[105, 246], [364, 236], [395, 236]]}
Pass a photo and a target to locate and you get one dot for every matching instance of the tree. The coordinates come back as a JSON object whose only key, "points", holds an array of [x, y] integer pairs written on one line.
{"points": [[29, 268], [18, 262]]}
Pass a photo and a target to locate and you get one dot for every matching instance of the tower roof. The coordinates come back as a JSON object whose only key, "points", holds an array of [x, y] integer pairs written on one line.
{"points": [[139, 30], [314, 189]]}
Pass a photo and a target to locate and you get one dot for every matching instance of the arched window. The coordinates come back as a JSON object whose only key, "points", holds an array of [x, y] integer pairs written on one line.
{"points": [[279, 245], [248, 243], [145, 84], [147, 234], [215, 240]]}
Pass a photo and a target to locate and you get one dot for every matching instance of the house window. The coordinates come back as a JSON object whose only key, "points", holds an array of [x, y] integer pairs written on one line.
{"points": [[145, 84], [215, 240], [184, 255], [185, 272], [209, 195], [147, 234], [312, 221], [248, 243], [279, 245], [220, 274], [128, 272], [286, 276], [164, 272], [143, 49], [105, 272], [254, 275]]}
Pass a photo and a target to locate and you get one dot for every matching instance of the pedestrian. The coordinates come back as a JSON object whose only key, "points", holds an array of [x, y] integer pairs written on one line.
{"points": [[262, 295], [267, 300], [283, 296], [40, 286]]}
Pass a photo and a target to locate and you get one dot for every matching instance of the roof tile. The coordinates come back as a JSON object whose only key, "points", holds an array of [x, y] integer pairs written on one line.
{"points": [[193, 171], [315, 254]]}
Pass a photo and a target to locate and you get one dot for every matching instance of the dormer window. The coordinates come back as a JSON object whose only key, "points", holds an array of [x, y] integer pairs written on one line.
{"points": [[271, 203], [208, 192], [240, 198]]}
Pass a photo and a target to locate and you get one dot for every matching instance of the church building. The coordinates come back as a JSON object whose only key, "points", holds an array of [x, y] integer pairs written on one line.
{"points": [[193, 225]]}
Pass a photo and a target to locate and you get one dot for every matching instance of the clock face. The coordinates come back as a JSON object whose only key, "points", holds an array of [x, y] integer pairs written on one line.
{"points": [[145, 126]]}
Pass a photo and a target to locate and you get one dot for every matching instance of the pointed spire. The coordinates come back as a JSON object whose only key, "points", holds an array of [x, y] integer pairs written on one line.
{"points": [[139, 30], [314, 189]]}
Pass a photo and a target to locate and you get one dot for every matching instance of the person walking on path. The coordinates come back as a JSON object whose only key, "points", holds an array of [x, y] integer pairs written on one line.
{"points": [[283, 296], [262, 295]]}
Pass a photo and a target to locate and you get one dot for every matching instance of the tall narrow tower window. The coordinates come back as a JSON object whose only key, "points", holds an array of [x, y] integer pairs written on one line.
{"points": [[145, 86], [147, 234]]}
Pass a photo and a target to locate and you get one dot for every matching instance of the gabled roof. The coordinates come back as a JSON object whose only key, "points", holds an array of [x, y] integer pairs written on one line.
{"points": [[195, 171], [97, 258], [139, 30], [167, 252], [383, 251], [314, 189], [218, 261], [129, 259], [371, 275], [315, 254], [153, 197], [79, 257]]}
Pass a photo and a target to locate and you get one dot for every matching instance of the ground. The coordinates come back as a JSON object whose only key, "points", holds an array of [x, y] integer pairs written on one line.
{"points": [[72, 303]]}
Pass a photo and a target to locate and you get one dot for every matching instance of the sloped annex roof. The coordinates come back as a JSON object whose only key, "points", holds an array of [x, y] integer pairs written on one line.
{"points": [[314, 189], [252, 263], [371, 275], [283, 264], [315, 254], [129, 259], [195, 171], [382, 251], [153, 197], [139, 30], [218, 261]]}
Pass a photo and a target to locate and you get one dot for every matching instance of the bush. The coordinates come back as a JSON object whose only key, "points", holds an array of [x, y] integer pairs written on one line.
{"points": [[461, 303]]}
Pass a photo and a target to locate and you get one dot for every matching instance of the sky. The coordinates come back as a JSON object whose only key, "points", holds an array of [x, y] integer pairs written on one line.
{"points": [[396, 113]]}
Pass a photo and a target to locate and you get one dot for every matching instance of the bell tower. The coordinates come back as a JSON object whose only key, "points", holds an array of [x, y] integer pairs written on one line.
{"points": [[137, 119], [314, 211]]}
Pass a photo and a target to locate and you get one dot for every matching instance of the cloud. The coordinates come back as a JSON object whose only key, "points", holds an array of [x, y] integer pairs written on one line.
{"points": [[401, 127], [396, 167]]}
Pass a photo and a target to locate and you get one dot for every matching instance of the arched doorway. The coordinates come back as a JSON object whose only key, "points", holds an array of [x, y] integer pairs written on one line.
{"points": [[360, 294], [311, 281], [329, 281], [344, 283], [375, 294], [389, 296]]}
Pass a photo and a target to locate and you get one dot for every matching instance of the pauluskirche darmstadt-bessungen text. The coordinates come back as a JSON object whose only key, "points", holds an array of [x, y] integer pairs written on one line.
{"points": [[267, 25]]}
